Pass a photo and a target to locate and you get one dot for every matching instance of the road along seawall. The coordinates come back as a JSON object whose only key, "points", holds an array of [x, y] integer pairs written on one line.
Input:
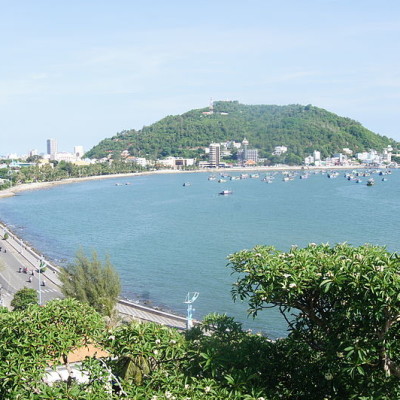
{"points": [[125, 307]]}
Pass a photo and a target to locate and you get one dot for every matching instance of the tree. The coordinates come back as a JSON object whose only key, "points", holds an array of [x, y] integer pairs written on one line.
{"points": [[24, 298], [40, 337], [91, 281], [347, 308]]}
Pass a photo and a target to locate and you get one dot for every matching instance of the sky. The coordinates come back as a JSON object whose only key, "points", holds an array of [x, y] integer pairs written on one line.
{"points": [[82, 70]]}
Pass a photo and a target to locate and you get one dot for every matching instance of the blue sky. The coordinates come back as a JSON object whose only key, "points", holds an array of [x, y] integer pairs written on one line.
{"points": [[80, 71]]}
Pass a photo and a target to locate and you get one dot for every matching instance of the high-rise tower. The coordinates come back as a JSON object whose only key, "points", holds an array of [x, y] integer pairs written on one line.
{"points": [[52, 147], [245, 143], [215, 154]]}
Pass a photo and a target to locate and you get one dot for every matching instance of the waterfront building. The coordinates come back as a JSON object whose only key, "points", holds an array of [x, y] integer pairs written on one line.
{"points": [[52, 147], [143, 162], [245, 143], [176, 162], [317, 155], [64, 156], [309, 160], [215, 154], [245, 154], [78, 151], [252, 155]]}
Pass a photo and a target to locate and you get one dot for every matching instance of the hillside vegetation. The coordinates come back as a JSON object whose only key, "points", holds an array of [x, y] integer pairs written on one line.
{"points": [[300, 128]]}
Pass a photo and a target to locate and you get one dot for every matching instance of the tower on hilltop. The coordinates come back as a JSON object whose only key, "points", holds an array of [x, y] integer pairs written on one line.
{"points": [[211, 107]]}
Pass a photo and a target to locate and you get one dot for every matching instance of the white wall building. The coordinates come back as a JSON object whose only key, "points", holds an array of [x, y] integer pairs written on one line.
{"points": [[64, 156], [309, 160], [279, 150], [78, 151], [317, 155]]}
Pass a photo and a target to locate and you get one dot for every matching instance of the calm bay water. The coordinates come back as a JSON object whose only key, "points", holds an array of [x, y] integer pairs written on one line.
{"points": [[166, 239]]}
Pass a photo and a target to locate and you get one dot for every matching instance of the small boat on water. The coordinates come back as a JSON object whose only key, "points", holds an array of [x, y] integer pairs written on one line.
{"points": [[221, 180], [225, 192], [333, 175], [370, 182], [187, 184], [212, 178]]}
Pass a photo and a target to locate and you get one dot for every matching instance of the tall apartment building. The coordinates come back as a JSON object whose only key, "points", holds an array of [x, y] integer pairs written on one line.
{"points": [[215, 154], [52, 147]]}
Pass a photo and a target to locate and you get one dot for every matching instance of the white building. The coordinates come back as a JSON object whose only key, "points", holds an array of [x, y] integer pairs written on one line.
{"points": [[347, 151], [174, 162], [279, 150], [167, 162], [317, 155], [64, 156], [78, 151], [141, 161], [309, 160]]}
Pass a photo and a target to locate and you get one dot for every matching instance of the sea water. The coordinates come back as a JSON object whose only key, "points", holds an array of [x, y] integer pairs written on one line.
{"points": [[166, 239]]}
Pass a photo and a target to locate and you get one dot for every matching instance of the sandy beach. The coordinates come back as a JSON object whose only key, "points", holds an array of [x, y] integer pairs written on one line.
{"points": [[45, 185]]}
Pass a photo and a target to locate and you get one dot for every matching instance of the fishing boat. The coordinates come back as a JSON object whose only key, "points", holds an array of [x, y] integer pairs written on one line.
{"points": [[370, 182], [186, 184], [225, 192]]}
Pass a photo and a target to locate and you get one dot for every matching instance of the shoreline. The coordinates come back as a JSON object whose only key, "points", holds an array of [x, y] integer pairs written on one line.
{"points": [[136, 299], [13, 191]]}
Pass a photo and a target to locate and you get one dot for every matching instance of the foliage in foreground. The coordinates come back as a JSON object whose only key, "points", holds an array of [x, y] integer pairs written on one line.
{"points": [[92, 281], [343, 340], [347, 309]]}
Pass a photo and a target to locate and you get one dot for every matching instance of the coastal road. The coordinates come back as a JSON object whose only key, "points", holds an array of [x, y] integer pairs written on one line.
{"points": [[18, 255], [11, 280]]}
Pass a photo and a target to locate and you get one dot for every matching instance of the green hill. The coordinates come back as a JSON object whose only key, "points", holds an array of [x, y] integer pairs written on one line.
{"points": [[302, 129]]}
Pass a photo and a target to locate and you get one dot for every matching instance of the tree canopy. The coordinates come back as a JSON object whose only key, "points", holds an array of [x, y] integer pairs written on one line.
{"points": [[302, 129], [24, 298], [92, 281], [39, 337], [346, 307]]}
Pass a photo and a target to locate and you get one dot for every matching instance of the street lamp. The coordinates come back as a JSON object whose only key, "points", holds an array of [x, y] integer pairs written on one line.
{"points": [[190, 299], [41, 265]]}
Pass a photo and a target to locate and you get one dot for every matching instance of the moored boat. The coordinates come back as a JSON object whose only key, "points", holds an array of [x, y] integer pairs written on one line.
{"points": [[370, 182]]}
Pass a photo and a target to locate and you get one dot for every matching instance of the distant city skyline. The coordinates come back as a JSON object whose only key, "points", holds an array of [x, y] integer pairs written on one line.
{"points": [[127, 64]]}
